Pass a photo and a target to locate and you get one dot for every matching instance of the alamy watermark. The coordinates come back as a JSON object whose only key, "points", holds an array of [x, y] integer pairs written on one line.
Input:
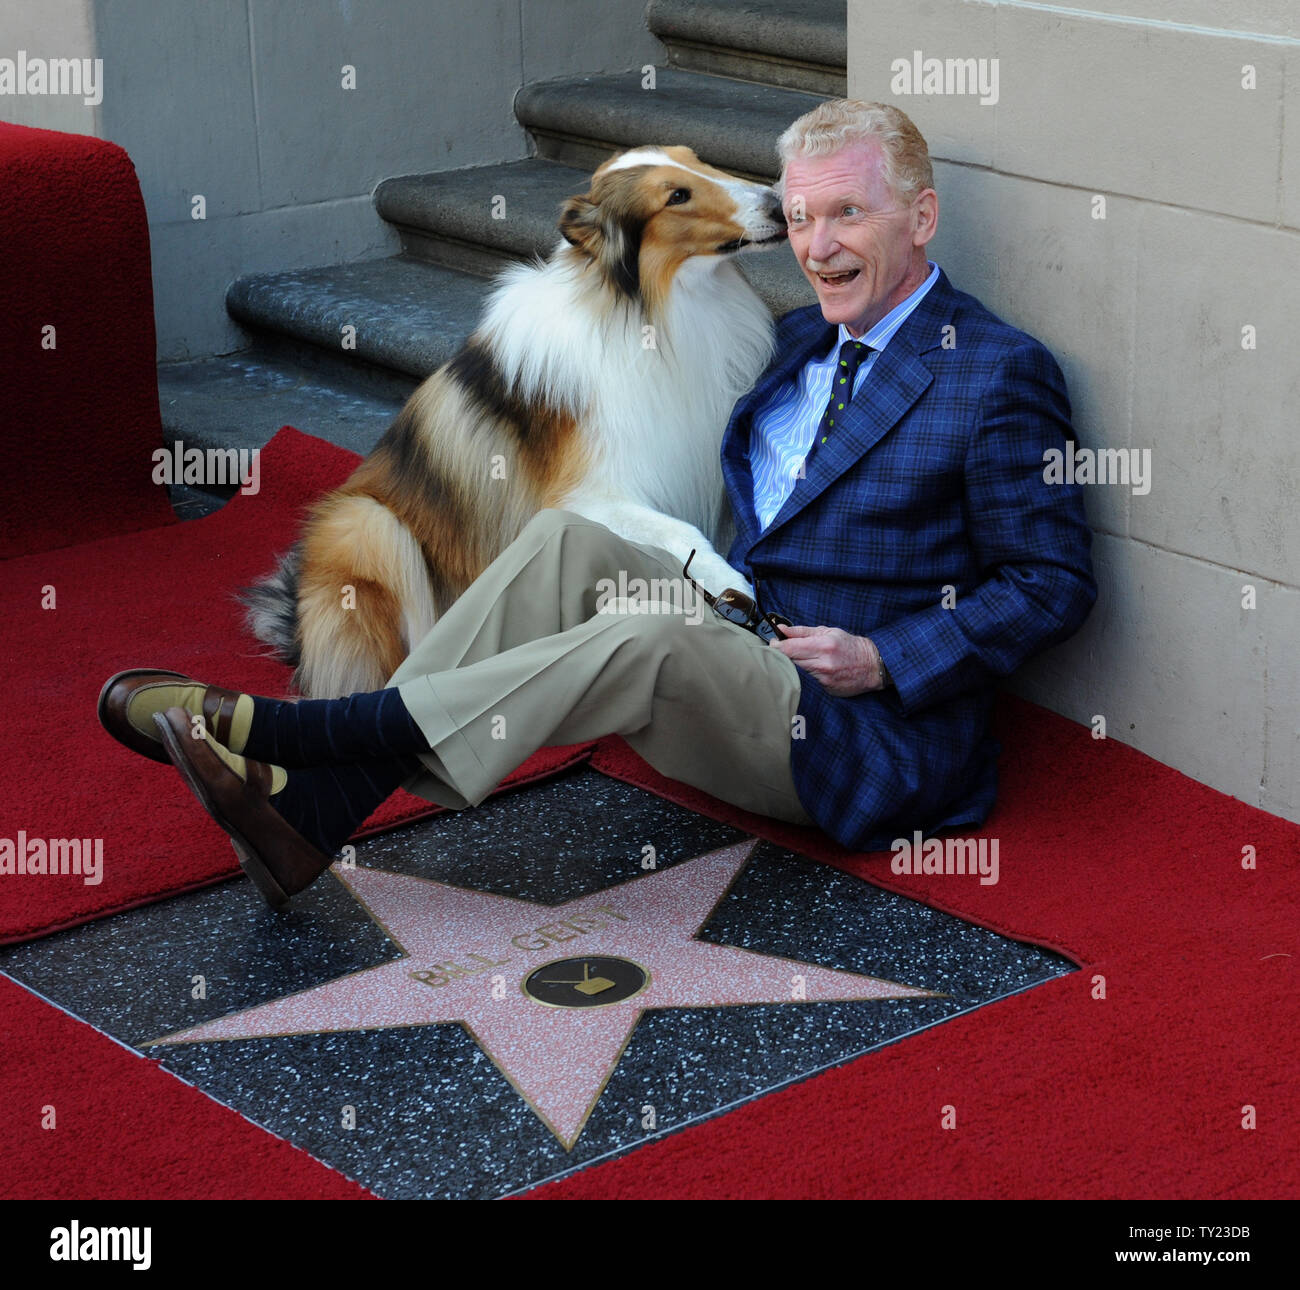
{"points": [[915, 855], [922, 75], [55, 857], [1130, 467], [208, 467], [77, 1244], [650, 596], [79, 77]]}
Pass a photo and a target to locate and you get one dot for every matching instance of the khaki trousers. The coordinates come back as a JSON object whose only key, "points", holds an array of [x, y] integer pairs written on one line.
{"points": [[538, 652]]}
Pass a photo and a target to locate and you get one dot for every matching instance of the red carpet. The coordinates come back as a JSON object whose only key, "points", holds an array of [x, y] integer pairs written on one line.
{"points": [[164, 596], [125, 1128]]}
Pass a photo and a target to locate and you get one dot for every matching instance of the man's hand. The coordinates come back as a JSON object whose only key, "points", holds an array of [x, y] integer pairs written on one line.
{"points": [[844, 664]]}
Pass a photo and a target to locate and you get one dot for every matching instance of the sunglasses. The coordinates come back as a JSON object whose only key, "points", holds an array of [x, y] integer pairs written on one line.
{"points": [[738, 608]]}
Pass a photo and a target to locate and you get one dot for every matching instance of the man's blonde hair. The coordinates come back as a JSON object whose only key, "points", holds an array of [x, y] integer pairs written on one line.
{"points": [[840, 123]]}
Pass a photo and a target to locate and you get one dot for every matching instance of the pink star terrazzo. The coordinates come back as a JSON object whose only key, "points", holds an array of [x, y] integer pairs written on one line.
{"points": [[467, 954]]}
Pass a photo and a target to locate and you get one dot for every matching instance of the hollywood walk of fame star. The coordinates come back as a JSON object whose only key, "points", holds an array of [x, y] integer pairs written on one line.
{"points": [[477, 959]]}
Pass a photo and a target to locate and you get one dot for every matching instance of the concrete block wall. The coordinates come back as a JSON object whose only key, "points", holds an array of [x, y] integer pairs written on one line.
{"points": [[1189, 129], [242, 102]]}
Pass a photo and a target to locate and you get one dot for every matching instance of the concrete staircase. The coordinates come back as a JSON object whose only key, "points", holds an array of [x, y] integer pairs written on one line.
{"points": [[738, 72]]}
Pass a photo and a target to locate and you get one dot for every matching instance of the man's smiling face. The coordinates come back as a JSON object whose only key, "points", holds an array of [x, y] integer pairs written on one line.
{"points": [[862, 248]]}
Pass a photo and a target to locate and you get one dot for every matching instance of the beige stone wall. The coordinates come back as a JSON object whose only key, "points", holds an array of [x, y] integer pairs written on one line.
{"points": [[1190, 132]]}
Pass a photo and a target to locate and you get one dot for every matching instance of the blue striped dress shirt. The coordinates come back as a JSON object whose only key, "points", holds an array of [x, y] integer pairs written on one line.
{"points": [[782, 433]]}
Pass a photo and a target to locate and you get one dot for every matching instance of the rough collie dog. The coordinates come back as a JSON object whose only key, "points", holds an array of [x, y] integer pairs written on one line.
{"points": [[598, 381]]}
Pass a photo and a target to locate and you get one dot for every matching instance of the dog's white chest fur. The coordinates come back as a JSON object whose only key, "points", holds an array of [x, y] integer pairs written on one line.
{"points": [[652, 401], [663, 403]]}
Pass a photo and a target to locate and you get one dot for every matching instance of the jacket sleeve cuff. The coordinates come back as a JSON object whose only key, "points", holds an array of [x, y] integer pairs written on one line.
{"points": [[919, 651]]}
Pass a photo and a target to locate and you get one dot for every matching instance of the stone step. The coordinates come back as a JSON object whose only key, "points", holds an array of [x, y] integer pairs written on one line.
{"points": [[795, 44], [412, 312], [733, 124], [241, 400], [410, 317], [448, 219]]}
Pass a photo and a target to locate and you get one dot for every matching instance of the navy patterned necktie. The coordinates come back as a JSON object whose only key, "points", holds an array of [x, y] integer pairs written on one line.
{"points": [[852, 355]]}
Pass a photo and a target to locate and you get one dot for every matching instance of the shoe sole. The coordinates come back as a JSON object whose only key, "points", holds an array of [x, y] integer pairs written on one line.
{"points": [[249, 861], [146, 746]]}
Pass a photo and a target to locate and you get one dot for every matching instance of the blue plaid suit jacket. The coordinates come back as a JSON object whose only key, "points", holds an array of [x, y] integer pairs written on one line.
{"points": [[931, 484]]}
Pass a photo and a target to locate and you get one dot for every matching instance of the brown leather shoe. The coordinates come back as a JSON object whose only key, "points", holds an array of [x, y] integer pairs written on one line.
{"points": [[130, 699], [279, 860]]}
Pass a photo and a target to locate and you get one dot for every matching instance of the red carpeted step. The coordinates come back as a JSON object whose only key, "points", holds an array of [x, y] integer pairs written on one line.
{"points": [[79, 413]]}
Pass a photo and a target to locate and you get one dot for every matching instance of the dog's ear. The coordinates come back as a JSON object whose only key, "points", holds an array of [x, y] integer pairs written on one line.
{"points": [[579, 220], [608, 231]]}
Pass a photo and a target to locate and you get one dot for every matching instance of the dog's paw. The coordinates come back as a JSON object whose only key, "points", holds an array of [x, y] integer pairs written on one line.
{"points": [[715, 575]]}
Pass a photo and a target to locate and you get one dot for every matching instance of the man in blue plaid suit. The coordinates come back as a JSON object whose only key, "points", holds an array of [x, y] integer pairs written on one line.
{"points": [[886, 475], [911, 534]]}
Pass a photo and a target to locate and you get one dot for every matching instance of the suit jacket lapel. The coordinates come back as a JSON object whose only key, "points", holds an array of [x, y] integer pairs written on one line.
{"points": [[897, 378], [813, 337]]}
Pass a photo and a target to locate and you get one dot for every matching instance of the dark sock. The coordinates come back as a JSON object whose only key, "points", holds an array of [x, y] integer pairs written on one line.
{"points": [[332, 732], [327, 804]]}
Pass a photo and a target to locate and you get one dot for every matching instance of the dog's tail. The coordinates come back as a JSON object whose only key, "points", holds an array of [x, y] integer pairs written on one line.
{"points": [[364, 596], [271, 608]]}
